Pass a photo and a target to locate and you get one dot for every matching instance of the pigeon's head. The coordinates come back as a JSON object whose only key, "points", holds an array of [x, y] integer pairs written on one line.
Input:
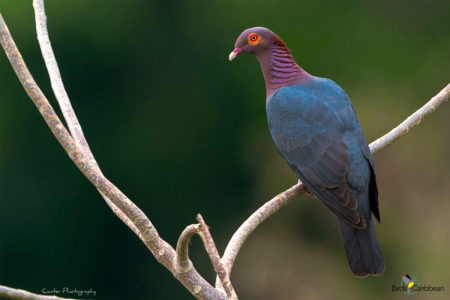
{"points": [[254, 40]]}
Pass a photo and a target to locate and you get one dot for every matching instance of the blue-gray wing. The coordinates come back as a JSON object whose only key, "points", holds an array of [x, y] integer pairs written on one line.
{"points": [[311, 136]]}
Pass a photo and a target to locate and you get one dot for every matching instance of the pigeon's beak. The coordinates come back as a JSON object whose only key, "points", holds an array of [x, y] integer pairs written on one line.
{"points": [[234, 53]]}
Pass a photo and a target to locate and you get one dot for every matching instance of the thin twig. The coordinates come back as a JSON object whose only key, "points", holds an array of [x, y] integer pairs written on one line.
{"points": [[215, 259], [183, 263], [64, 102], [161, 250], [10, 293], [287, 196], [55, 77]]}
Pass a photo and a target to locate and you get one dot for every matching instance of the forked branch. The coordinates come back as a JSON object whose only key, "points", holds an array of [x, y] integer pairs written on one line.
{"points": [[161, 250]]}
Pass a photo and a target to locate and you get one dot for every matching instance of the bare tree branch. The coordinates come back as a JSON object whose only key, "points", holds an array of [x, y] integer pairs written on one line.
{"points": [[269, 208], [215, 259], [122, 216], [182, 262], [10, 293], [162, 251]]}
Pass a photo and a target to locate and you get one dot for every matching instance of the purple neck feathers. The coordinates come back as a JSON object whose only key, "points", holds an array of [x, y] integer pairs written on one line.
{"points": [[279, 67]]}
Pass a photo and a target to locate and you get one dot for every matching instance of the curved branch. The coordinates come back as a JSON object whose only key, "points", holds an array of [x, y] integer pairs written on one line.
{"points": [[183, 263], [10, 293], [162, 251], [287, 196], [259, 216]]}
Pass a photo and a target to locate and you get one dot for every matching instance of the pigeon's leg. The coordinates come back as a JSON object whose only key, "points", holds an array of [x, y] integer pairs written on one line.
{"points": [[306, 190]]}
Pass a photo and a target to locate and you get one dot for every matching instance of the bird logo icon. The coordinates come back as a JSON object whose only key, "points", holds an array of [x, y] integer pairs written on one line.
{"points": [[410, 282]]}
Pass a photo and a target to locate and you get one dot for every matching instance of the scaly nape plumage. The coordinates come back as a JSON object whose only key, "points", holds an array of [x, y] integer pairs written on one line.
{"points": [[278, 66]]}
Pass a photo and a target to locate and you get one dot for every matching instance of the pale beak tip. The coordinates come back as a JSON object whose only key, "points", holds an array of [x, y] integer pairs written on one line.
{"points": [[232, 56], [234, 53]]}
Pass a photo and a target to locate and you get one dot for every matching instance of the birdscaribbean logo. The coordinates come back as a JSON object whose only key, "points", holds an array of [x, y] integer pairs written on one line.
{"points": [[410, 285]]}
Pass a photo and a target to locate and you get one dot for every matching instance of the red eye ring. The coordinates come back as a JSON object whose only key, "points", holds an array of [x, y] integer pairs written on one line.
{"points": [[254, 38]]}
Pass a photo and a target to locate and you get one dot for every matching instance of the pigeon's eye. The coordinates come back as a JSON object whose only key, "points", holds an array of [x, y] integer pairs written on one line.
{"points": [[254, 38]]}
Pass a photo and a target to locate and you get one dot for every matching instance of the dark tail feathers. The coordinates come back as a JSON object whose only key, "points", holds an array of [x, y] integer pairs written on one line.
{"points": [[363, 249]]}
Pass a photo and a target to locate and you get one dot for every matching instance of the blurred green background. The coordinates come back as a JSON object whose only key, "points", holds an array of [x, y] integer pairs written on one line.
{"points": [[181, 130]]}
